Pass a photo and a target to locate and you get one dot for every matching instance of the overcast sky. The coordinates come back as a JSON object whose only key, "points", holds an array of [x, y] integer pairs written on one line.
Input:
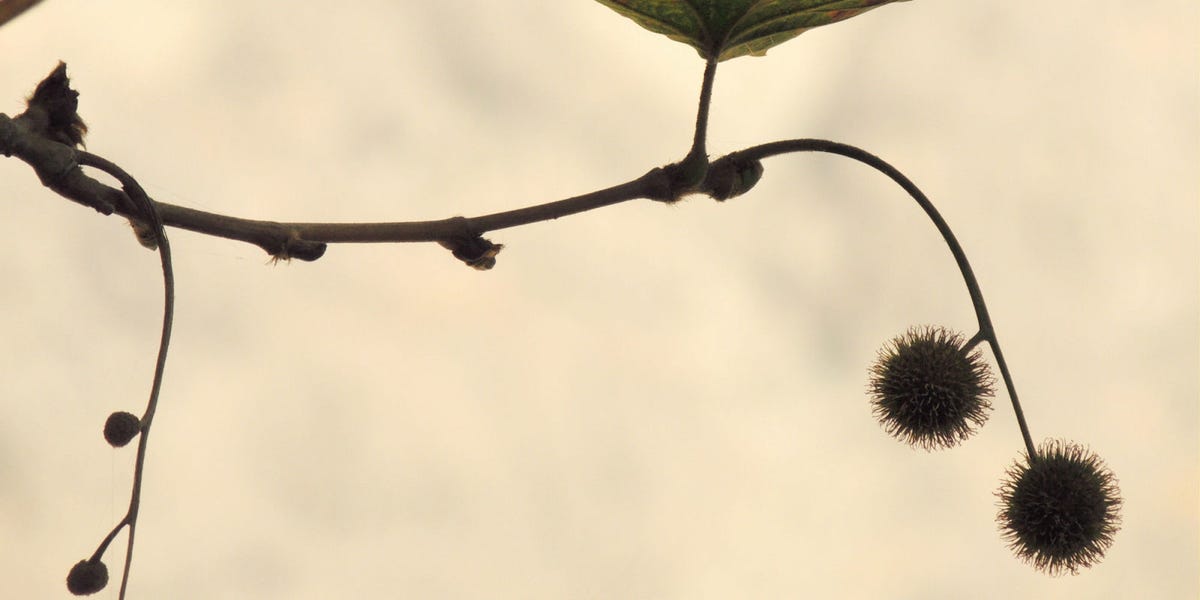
{"points": [[638, 402]]}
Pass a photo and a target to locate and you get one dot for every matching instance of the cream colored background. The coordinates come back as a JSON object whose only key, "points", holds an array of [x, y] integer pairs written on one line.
{"points": [[638, 402]]}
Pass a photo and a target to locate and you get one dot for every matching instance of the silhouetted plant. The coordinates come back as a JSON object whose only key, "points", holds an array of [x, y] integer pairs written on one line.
{"points": [[930, 388]]}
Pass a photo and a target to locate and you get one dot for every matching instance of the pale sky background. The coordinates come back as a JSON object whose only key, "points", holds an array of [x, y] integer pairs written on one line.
{"points": [[638, 402]]}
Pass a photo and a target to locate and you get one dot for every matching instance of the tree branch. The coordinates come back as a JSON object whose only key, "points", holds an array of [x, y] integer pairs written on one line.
{"points": [[45, 136], [57, 165], [14, 8]]}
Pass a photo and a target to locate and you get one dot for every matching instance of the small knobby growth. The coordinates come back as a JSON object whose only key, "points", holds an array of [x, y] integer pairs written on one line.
{"points": [[930, 388]]}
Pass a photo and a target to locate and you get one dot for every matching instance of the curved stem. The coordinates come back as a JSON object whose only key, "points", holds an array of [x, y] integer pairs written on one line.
{"points": [[986, 331], [109, 538], [138, 195]]}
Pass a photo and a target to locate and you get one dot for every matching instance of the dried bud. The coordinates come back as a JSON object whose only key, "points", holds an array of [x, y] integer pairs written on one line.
{"points": [[928, 391], [121, 427], [87, 577], [732, 176], [146, 236], [52, 107], [1060, 511], [477, 252], [294, 247]]}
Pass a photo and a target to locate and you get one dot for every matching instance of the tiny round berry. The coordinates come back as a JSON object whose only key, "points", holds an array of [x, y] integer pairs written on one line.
{"points": [[120, 428], [87, 577], [928, 390], [1060, 511]]}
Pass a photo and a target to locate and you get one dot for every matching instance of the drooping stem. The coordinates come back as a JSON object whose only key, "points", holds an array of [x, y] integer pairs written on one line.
{"points": [[150, 214], [986, 331]]}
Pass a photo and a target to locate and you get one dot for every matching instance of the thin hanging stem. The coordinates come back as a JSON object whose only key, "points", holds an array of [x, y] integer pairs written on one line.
{"points": [[986, 331], [138, 195]]}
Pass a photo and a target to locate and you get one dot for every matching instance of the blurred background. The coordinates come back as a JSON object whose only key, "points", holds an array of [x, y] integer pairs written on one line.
{"points": [[638, 402]]}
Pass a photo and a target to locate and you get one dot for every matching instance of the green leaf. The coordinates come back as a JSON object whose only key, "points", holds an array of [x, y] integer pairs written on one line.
{"points": [[725, 29]]}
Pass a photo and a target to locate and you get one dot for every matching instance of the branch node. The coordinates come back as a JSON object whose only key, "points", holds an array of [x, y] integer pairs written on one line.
{"points": [[53, 107], [294, 247], [474, 250], [662, 184], [682, 178]]}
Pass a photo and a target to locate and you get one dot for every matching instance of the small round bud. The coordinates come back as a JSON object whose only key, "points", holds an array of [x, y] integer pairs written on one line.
{"points": [[1060, 511], [87, 577], [145, 234], [477, 252], [928, 390], [732, 176], [120, 428]]}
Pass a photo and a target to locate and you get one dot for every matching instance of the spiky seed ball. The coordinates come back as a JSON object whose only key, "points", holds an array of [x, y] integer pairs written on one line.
{"points": [[87, 577], [928, 391], [120, 428], [1060, 511]]}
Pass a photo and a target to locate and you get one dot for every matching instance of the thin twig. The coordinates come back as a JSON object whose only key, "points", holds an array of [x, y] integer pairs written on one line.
{"points": [[56, 165], [11, 9], [150, 213]]}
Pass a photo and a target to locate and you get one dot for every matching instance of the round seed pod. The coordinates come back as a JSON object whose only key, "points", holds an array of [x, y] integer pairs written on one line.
{"points": [[121, 427], [87, 577]]}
